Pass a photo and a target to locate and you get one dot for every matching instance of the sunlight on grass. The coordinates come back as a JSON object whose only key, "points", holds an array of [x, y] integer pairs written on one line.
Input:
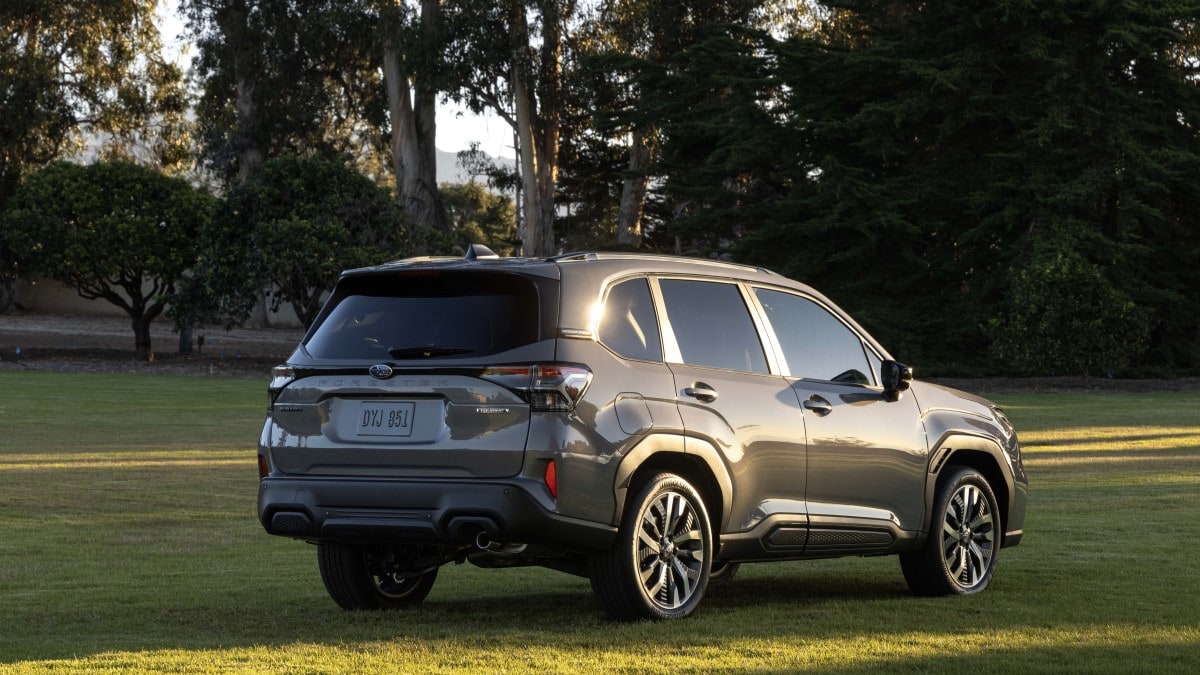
{"points": [[577, 653], [1087, 446], [126, 460], [130, 544]]}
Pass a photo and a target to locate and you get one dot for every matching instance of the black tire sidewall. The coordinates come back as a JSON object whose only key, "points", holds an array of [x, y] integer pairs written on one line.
{"points": [[946, 491], [350, 583], [654, 488]]}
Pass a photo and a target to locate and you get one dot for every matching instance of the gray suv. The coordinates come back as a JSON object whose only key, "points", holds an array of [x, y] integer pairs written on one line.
{"points": [[648, 422]]}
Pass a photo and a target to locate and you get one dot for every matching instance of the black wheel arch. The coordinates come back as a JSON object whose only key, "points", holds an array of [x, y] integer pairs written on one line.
{"points": [[664, 453], [976, 452]]}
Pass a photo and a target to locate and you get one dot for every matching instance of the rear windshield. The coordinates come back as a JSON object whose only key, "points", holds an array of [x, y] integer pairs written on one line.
{"points": [[426, 315]]}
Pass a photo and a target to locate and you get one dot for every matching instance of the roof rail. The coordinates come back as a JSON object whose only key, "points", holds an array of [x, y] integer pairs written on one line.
{"points": [[581, 256]]}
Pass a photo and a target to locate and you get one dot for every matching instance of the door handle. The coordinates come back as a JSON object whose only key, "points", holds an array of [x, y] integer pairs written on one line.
{"points": [[701, 392], [818, 405]]}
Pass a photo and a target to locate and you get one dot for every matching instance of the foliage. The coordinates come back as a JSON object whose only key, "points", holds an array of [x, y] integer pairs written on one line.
{"points": [[282, 76], [131, 545], [1064, 316], [70, 68], [510, 58], [112, 230], [933, 147], [291, 229], [479, 216]]}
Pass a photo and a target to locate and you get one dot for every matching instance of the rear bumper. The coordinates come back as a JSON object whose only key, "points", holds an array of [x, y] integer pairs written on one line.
{"points": [[448, 513]]}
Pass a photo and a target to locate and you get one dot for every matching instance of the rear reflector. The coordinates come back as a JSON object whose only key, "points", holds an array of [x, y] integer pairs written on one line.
{"points": [[551, 478]]}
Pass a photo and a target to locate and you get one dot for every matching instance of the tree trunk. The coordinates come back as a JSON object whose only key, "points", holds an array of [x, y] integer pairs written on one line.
{"points": [[633, 191], [141, 337], [232, 18], [413, 108], [538, 123]]}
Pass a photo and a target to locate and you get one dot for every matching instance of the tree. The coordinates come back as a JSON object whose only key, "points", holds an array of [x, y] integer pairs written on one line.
{"points": [[69, 68], [284, 76], [477, 216], [939, 146], [413, 42], [506, 53], [292, 227], [1064, 316], [637, 46], [112, 230]]}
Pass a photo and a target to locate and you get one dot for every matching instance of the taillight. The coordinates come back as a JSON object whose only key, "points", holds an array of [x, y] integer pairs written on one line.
{"points": [[549, 387], [551, 478], [263, 469]]}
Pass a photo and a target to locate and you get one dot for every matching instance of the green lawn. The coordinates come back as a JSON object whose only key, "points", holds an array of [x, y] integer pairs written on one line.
{"points": [[128, 542]]}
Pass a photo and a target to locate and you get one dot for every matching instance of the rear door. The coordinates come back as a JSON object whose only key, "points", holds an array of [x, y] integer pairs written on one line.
{"points": [[731, 401]]}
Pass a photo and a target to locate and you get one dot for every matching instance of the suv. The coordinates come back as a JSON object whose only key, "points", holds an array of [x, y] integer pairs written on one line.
{"points": [[647, 421]]}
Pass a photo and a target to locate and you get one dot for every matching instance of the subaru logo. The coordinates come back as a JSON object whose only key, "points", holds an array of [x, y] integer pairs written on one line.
{"points": [[381, 371]]}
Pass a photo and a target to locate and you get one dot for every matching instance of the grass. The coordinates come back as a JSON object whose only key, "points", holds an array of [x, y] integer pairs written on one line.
{"points": [[128, 543]]}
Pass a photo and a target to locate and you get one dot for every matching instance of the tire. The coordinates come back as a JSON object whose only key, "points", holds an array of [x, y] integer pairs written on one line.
{"points": [[959, 555], [356, 582], [659, 566]]}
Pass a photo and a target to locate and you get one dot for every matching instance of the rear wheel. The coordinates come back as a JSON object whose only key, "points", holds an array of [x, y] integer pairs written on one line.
{"points": [[959, 555], [659, 566], [357, 578]]}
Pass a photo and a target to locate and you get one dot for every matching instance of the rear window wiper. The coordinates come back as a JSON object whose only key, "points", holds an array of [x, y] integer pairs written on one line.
{"points": [[428, 351]]}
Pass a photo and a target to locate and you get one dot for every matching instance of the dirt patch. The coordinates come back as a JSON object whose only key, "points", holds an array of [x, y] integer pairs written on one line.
{"points": [[66, 343]]}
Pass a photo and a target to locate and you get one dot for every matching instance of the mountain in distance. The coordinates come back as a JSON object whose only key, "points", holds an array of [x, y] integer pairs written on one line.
{"points": [[448, 170]]}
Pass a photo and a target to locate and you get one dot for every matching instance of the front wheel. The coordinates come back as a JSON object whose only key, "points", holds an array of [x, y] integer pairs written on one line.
{"points": [[659, 566], [959, 556], [357, 579]]}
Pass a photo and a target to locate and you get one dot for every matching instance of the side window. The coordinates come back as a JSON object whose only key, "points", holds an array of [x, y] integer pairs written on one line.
{"points": [[815, 343], [712, 325], [629, 326]]}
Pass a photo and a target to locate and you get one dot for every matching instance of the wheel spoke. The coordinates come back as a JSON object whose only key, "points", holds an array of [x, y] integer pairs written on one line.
{"points": [[687, 537], [652, 577], [984, 520], [682, 587], [649, 542]]}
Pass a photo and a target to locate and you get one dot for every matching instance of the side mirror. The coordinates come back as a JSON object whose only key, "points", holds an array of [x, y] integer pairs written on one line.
{"points": [[896, 377]]}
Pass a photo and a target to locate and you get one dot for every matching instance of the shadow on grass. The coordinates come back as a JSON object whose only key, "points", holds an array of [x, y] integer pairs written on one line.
{"points": [[547, 618]]}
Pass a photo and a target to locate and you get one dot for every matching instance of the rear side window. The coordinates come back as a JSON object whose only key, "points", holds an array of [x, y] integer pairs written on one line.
{"points": [[629, 326], [427, 315], [816, 345], [712, 325]]}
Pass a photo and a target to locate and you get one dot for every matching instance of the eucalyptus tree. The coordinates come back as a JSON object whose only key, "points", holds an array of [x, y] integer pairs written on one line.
{"points": [[412, 42], [508, 58], [70, 69], [287, 76]]}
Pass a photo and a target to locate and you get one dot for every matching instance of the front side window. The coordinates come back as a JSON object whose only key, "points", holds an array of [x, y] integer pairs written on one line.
{"points": [[816, 345], [712, 325], [427, 316], [629, 326]]}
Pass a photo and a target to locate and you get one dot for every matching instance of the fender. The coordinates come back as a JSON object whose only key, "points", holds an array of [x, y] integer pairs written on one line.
{"points": [[954, 443], [663, 445]]}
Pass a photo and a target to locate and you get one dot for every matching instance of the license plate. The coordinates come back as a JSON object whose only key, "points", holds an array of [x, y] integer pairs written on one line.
{"points": [[378, 418]]}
